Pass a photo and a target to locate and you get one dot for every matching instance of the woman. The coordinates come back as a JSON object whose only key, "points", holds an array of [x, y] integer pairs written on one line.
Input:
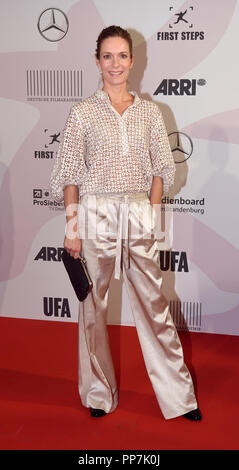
{"points": [[114, 152]]}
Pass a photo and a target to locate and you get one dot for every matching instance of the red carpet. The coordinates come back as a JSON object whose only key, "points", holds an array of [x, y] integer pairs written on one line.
{"points": [[41, 408]]}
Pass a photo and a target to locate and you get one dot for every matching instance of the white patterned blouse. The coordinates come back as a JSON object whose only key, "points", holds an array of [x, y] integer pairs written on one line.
{"points": [[104, 152]]}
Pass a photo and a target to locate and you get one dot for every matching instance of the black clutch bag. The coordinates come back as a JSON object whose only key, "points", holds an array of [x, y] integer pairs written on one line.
{"points": [[78, 274]]}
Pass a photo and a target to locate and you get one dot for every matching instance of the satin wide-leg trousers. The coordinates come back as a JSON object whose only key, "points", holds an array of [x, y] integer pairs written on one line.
{"points": [[116, 232]]}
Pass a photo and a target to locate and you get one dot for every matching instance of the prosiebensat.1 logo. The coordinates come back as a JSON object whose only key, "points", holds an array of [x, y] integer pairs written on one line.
{"points": [[42, 198]]}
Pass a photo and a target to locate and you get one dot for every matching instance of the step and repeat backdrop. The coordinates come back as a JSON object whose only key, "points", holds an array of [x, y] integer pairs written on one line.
{"points": [[186, 62]]}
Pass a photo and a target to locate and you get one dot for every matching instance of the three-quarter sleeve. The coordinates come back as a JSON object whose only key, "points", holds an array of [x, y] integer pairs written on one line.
{"points": [[69, 165], [161, 156]]}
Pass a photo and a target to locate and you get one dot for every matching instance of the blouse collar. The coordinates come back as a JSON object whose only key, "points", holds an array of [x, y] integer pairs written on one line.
{"points": [[105, 97]]}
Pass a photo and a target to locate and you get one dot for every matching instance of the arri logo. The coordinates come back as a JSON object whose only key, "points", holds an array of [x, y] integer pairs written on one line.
{"points": [[49, 253], [53, 24], [179, 87]]}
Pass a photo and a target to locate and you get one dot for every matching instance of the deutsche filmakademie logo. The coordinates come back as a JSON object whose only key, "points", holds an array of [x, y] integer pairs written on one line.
{"points": [[187, 315], [54, 85], [53, 24]]}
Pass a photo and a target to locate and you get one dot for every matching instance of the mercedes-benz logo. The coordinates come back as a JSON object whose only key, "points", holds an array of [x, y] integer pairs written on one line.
{"points": [[53, 24], [181, 146]]}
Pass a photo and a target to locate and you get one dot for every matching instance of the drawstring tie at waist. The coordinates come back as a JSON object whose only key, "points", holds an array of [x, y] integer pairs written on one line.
{"points": [[123, 224]]}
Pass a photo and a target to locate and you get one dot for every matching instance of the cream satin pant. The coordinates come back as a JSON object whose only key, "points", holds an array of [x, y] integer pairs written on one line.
{"points": [[117, 218]]}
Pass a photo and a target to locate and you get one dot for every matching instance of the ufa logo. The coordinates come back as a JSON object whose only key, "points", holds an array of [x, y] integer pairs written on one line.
{"points": [[56, 307]]}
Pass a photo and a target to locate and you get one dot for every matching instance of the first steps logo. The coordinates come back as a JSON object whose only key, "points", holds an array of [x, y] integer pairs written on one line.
{"points": [[50, 139], [179, 18]]}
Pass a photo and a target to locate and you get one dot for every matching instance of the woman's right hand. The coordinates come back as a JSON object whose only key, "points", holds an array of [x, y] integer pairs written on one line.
{"points": [[73, 247]]}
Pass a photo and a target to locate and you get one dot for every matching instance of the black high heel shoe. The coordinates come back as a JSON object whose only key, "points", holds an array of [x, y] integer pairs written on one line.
{"points": [[97, 413], [194, 415]]}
